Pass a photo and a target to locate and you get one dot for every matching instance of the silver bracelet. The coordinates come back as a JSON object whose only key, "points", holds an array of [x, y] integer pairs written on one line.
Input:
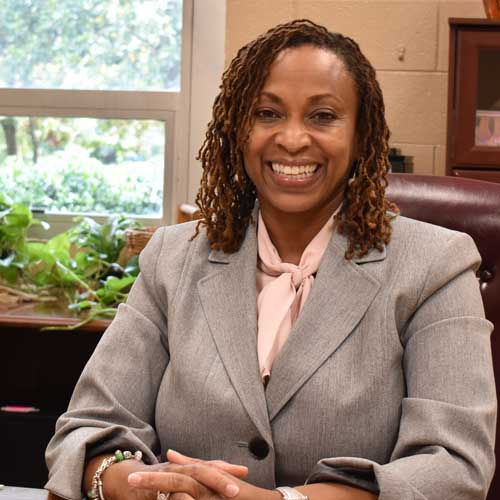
{"points": [[96, 492], [291, 493]]}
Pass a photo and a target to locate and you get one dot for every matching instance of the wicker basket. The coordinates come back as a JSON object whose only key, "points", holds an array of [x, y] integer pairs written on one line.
{"points": [[138, 238]]}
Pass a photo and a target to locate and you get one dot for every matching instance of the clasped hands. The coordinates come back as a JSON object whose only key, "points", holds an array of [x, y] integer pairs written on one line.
{"points": [[187, 478]]}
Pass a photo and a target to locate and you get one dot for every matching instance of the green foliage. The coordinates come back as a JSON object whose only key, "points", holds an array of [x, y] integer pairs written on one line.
{"points": [[108, 140], [79, 265], [15, 220], [83, 164], [102, 244], [71, 181]]}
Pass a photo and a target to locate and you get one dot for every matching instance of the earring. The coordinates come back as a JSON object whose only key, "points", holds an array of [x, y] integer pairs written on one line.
{"points": [[354, 173]]}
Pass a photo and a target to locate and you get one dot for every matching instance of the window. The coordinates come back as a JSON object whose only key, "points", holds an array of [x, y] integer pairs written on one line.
{"points": [[94, 106]]}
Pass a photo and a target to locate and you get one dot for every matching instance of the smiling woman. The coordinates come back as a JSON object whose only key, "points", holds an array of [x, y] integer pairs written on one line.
{"points": [[302, 340], [302, 143], [364, 218]]}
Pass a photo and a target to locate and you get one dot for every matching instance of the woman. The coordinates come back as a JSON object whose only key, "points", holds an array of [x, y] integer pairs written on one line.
{"points": [[312, 337]]}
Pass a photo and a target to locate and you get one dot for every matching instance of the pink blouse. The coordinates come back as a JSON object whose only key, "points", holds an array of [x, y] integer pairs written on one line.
{"points": [[282, 290]]}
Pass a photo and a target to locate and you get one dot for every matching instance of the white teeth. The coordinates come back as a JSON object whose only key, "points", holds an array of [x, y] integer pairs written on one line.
{"points": [[299, 171]]}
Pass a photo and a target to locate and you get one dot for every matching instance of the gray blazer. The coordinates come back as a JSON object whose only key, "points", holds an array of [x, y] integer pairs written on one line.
{"points": [[385, 382]]}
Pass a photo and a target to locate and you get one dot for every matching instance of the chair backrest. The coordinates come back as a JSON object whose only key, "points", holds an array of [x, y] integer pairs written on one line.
{"points": [[472, 207]]}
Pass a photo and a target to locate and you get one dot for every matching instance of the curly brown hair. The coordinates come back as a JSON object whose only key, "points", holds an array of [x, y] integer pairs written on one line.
{"points": [[227, 196]]}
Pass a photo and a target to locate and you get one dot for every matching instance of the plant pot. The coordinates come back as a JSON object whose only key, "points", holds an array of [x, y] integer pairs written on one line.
{"points": [[492, 8]]}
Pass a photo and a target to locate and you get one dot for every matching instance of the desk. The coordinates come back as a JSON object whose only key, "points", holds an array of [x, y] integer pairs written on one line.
{"points": [[41, 369], [37, 315], [14, 493]]}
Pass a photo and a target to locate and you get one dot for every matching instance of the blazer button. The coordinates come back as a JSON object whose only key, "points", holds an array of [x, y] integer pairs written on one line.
{"points": [[258, 448]]}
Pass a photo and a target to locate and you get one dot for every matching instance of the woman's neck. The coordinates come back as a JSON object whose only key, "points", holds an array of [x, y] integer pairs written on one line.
{"points": [[292, 232]]}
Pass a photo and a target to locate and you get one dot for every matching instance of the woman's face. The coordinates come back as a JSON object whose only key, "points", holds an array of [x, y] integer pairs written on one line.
{"points": [[303, 139]]}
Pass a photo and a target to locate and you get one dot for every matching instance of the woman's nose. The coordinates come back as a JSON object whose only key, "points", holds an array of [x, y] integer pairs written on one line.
{"points": [[293, 137]]}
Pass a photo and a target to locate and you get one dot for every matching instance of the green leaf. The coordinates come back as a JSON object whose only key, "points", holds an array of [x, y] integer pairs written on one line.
{"points": [[44, 278], [106, 296], [59, 247], [118, 284], [39, 252], [68, 277], [81, 306], [19, 215]]}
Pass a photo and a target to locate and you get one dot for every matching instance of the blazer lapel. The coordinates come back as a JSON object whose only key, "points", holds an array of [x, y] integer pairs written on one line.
{"points": [[341, 294], [228, 297]]}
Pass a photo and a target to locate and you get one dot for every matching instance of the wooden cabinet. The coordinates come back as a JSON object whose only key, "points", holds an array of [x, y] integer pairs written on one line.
{"points": [[473, 141], [38, 369]]}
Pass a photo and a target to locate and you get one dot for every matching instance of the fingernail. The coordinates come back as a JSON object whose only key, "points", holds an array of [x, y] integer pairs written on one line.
{"points": [[134, 479], [232, 490], [173, 451]]}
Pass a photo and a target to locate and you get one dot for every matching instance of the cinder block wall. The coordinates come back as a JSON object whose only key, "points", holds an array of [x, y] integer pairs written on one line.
{"points": [[406, 41]]}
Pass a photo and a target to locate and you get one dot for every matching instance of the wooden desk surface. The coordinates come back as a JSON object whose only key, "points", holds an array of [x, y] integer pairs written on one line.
{"points": [[15, 493], [37, 315]]}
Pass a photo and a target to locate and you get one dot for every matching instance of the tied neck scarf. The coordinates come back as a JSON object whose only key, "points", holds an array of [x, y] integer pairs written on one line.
{"points": [[282, 290]]}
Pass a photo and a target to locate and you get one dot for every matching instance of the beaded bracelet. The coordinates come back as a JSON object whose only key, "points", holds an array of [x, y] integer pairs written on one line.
{"points": [[96, 492]]}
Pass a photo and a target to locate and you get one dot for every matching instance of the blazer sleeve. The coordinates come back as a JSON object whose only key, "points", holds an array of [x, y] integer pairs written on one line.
{"points": [[445, 446], [113, 405]]}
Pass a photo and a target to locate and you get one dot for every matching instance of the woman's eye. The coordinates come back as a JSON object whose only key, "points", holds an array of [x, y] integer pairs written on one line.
{"points": [[324, 117], [266, 114]]}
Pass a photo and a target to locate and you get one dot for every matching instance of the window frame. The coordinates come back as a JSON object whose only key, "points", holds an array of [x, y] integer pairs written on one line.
{"points": [[172, 108]]}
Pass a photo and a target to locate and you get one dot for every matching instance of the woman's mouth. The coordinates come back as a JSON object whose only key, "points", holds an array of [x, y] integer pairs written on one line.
{"points": [[294, 175], [294, 172]]}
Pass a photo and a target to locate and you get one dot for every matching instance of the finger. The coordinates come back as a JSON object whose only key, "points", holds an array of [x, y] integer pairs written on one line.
{"points": [[178, 458], [233, 469], [212, 478], [180, 496], [168, 482], [206, 475]]}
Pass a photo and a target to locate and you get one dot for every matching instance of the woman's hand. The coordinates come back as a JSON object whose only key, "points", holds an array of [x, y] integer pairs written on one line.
{"points": [[116, 485], [114, 479], [190, 478], [187, 478], [238, 471]]}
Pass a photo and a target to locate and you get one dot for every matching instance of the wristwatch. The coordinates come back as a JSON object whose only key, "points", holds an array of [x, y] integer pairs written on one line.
{"points": [[291, 493]]}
